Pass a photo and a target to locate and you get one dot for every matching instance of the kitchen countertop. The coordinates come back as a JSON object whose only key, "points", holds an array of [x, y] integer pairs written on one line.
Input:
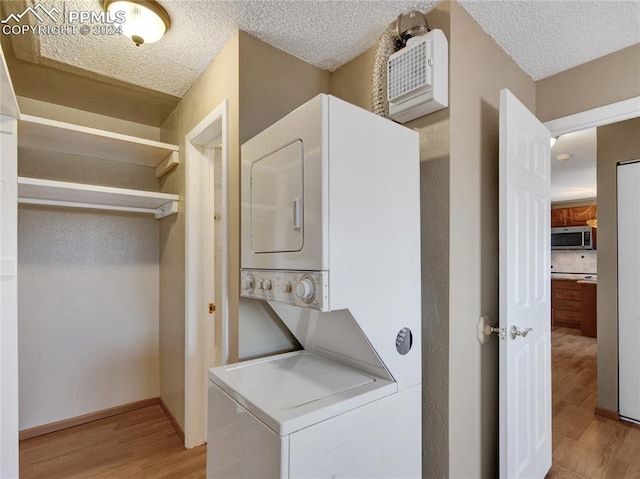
{"points": [[587, 278]]}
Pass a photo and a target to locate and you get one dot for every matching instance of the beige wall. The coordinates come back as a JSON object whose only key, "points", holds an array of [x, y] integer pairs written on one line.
{"points": [[30, 106], [88, 311], [262, 84], [616, 143], [352, 82], [603, 81], [87, 287], [272, 84], [479, 70], [459, 181], [218, 82], [62, 84], [435, 208]]}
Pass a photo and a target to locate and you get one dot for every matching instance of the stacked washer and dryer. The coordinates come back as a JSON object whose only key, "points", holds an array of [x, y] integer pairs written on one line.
{"points": [[330, 235]]}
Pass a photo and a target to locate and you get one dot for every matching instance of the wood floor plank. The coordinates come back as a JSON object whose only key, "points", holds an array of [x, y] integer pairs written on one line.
{"points": [[143, 445], [140, 444], [586, 446]]}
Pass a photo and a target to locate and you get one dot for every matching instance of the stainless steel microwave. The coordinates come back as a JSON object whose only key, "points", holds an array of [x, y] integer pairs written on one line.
{"points": [[573, 237]]}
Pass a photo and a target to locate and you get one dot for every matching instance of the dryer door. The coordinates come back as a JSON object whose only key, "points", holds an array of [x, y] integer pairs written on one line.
{"points": [[285, 193], [277, 195]]}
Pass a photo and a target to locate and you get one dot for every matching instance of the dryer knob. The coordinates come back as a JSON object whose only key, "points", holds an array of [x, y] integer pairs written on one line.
{"points": [[305, 289], [247, 283], [286, 287], [266, 284]]}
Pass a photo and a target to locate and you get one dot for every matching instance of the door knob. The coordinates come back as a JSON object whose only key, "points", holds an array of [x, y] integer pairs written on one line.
{"points": [[516, 332]]}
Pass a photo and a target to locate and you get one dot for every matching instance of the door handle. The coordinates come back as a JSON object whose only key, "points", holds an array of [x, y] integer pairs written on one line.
{"points": [[516, 332], [297, 214]]}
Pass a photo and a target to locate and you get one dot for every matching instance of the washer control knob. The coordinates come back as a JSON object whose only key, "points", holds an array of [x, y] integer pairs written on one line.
{"points": [[247, 283], [259, 284], [286, 287], [266, 284], [305, 289]]}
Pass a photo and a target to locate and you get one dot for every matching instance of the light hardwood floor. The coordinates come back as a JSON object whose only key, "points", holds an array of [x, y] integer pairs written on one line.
{"points": [[136, 445], [142, 444], [585, 445]]}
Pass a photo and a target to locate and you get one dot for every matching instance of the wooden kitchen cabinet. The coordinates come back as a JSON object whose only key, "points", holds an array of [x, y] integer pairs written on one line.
{"points": [[573, 305], [566, 303], [573, 216], [581, 214], [558, 217], [589, 325]]}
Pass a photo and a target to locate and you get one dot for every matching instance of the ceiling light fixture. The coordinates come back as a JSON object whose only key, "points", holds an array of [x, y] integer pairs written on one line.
{"points": [[553, 141], [145, 20]]}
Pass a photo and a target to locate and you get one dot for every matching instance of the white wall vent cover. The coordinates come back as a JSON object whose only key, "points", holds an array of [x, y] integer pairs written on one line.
{"points": [[417, 77]]}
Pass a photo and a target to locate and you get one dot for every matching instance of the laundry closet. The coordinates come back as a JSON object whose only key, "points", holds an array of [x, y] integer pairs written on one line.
{"points": [[90, 207]]}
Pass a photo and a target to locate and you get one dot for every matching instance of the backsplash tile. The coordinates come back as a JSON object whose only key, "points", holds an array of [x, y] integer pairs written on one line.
{"points": [[574, 261]]}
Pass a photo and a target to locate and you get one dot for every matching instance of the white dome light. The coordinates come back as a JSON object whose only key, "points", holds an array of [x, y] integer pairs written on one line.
{"points": [[146, 21]]}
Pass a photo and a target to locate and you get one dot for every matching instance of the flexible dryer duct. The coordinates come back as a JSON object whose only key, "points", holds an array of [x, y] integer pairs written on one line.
{"points": [[392, 39], [386, 46]]}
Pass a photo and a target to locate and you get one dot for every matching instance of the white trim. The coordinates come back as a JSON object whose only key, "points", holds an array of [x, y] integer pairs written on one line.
{"points": [[169, 163], [60, 127], [8, 101], [8, 300], [199, 223], [61, 137], [38, 191], [604, 115]]}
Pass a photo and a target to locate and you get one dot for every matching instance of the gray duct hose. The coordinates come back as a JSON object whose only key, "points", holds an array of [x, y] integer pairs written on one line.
{"points": [[406, 25], [386, 46]]}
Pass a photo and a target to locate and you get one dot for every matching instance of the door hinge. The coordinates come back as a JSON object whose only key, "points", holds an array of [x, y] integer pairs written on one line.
{"points": [[212, 308]]}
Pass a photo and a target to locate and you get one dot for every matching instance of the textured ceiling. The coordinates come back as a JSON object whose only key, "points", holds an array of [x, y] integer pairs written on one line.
{"points": [[543, 36], [575, 178], [324, 33]]}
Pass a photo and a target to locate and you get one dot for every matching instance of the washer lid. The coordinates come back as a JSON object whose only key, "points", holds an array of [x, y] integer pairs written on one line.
{"points": [[295, 390]]}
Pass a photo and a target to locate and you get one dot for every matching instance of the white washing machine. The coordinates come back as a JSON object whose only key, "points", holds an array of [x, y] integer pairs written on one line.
{"points": [[331, 240]]}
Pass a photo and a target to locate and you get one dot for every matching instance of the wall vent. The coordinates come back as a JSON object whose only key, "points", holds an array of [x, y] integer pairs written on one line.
{"points": [[417, 77]]}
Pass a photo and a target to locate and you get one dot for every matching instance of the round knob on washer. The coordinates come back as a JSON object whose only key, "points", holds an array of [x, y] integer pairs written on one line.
{"points": [[266, 284], [247, 283], [259, 284], [286, 287], [305, 289]]}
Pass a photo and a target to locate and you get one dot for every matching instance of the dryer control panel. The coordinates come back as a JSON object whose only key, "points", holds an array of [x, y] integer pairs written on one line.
{"points": [[307, 289]]}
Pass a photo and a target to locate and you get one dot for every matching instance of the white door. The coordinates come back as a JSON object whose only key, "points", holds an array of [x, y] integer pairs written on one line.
{"points": [[629, 289], [525, 253]]}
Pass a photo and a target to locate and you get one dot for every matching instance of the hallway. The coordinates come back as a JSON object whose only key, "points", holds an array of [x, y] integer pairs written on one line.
{"points": [[585, 445]]}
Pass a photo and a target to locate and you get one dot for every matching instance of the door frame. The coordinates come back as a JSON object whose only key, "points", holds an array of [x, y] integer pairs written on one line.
{"points": [[10, 112], [600, 116], [604, 115], [200, 343]]}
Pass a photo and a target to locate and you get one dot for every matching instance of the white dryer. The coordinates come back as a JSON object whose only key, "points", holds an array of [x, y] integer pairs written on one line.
{"points": [[331, 240]]}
